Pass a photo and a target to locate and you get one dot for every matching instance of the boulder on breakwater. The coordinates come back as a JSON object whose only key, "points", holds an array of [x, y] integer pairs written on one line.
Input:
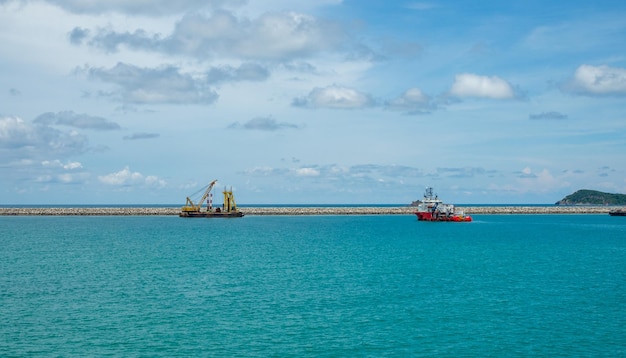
{"points": [[402, 210]]}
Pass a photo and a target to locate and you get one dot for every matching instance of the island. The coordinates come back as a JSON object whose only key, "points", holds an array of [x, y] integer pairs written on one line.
{"points": [[593, 197]]}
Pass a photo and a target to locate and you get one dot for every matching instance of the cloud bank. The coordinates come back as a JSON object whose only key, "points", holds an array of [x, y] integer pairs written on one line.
{"points": [[278, 36], [165, 84], [21, 140], [83, 121]]}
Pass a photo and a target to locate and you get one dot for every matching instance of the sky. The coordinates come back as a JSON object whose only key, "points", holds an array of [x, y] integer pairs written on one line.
{"points": [[311, 101]]}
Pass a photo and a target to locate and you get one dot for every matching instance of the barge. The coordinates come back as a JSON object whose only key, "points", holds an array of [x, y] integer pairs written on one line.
{"points": [[228, 209]]}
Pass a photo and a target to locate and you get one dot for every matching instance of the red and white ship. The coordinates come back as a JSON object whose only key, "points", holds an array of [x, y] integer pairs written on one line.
{"points": [[431, 208]]}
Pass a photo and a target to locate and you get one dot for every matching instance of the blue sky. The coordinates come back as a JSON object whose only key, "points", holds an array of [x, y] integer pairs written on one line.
{"points": [[311, 102]]}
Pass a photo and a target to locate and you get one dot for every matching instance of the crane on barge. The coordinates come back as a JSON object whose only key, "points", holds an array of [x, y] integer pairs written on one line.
{"points": [[193, 210], [190, 207]]}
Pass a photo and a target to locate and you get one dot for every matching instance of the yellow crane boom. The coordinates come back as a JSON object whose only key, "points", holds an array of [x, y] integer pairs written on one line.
{"points": [[190, 206]]}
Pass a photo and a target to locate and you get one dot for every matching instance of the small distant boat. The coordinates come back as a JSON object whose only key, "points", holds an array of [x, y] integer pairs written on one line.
{"points": [[431, 208], [617, 212]]}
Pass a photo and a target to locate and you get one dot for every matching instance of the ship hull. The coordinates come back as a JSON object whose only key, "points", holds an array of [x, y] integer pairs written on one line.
{"points": [[233, 214], [617, 212], [427, 216]]}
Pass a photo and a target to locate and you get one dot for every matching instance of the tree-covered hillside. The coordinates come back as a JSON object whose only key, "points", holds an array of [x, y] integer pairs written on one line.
{"points": [[592, 197]]}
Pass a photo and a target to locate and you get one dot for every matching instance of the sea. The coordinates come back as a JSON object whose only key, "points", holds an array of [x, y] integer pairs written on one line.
{"points": [[313, 286]]}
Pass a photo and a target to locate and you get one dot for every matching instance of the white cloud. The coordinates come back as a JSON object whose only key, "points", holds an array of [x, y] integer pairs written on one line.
{"points": [[68, 178], [123, 177], [414, 95], [307, 172], [597, 80], [53, 163], [72, 165], [471, 85], [14, 130], [152, 180], [334, 97], [126, 177], [58, 164], [62, 177]]}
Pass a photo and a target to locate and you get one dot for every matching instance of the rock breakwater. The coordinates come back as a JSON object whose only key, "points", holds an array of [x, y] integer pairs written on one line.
{"points": [[403, 210], [89, 211]]}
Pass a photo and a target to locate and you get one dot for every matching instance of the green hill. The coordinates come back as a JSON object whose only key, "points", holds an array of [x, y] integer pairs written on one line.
{"points": [[592, 197]]}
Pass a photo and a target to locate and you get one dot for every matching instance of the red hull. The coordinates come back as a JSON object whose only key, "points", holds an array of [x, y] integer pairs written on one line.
{"points": [[426, 216]]}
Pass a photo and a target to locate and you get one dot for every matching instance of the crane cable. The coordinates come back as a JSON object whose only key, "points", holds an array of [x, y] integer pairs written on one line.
{"points": [[201, 190]]}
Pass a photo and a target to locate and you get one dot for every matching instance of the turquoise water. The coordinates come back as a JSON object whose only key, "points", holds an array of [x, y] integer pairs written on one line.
{"points": [[319, 286]]}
